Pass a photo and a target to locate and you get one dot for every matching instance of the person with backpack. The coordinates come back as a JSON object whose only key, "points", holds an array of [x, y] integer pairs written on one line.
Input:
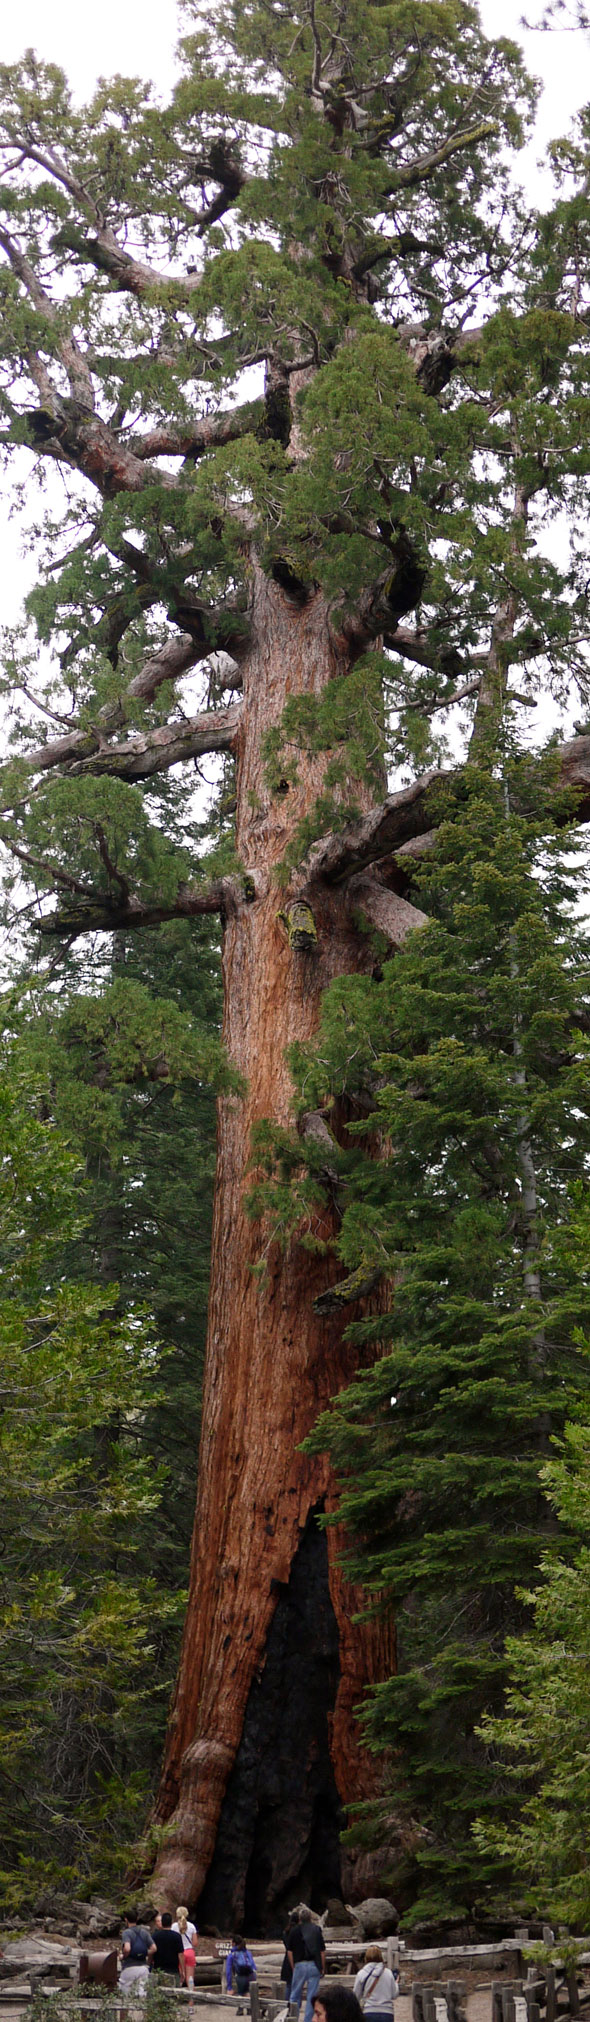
{"points": [[240, 1963], [137, 1952], [307, 1956], [376, 1987]]}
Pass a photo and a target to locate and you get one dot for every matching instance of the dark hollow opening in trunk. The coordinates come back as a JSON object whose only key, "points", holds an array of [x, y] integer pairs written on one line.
{"points": [[279, 1830]]}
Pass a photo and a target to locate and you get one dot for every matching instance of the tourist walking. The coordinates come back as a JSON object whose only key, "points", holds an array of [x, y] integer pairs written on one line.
{"points": [[137, 1951], [240, 1966], [189, 1934], [307, 1956], [376, 1986], [168, 1949], [286, 1973]]}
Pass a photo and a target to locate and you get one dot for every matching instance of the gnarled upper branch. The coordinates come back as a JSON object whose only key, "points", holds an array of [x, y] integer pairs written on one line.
{"points": [[144, 753], [91, 914], [418, 809]]}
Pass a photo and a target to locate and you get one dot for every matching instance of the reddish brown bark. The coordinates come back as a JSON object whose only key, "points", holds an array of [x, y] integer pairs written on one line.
{"points": [[271, 1363]]}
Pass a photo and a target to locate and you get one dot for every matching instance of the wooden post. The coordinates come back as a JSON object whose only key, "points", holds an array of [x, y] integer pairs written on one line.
{"points": [[551, 2007], [498, 1992], [254, 2002], [531, 2003], [572, 1988], [508, 2007], [455, 1993]]}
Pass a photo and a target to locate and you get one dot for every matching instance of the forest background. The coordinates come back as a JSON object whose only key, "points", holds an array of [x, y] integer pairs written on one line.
{"points": [[112, 1070]]}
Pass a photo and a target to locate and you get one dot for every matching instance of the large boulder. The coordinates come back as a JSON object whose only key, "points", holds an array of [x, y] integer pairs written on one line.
{"points": [[377, 1917]]}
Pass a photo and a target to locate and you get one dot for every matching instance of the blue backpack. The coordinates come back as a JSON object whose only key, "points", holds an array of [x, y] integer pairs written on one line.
{"points": [[139, 1947]]}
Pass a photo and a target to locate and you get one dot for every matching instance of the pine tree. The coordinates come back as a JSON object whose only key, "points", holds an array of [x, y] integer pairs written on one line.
{"points": [[127, 1065], [132, 1068], [80, 1609], [466, 1091], [540, 1743], [242, 328]]}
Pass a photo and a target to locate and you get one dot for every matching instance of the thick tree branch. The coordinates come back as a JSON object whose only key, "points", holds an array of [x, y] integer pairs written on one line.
{"points": [[392, 915], [71, 356], [207, 433], [405, 817], [418, 171], [417, 646], [399, 818], [68, 433], [314, 1129], [135, 277], [154, 751], [357, 1286], [422, 648], [435, 353], [110, 915], [144, 753], [174, 659], [398, 591]]}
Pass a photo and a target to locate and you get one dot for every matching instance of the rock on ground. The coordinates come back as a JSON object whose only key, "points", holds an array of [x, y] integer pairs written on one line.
{"points": [[303, 1911], [336, 1915], [98, 1919], [24, 1955], [377, 1917]]}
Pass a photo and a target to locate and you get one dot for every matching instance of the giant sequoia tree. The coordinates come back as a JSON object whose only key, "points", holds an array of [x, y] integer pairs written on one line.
{"points": [[309, 376]]}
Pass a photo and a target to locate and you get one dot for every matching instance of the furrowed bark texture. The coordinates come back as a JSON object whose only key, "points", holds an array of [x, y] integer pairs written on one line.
{"points": [[256, 1662]]}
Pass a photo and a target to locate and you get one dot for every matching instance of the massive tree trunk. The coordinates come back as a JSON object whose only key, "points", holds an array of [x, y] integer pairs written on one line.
{"points": [[269, 1640]]}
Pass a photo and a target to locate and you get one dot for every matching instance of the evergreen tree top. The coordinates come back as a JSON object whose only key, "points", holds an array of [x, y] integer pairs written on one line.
{"points": [[297, 319]]}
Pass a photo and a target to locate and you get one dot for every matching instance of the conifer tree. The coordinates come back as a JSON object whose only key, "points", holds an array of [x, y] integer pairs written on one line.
{"points": [[311, 375], [126, 1071], [541, 1739], [132, 1059], [80, 1609], [465, 1067]]}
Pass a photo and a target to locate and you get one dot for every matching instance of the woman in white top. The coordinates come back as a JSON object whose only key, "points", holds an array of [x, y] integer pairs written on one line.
{"points": [[189, 1934], [376, 1987]]}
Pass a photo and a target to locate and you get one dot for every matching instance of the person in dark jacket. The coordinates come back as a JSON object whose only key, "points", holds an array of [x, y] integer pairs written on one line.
{"points": [[308, 1965], [286, 1968], [169, 1949]]}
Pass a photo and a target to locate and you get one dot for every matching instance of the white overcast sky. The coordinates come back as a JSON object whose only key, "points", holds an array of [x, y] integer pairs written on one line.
{"points": [[137, 37]]}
